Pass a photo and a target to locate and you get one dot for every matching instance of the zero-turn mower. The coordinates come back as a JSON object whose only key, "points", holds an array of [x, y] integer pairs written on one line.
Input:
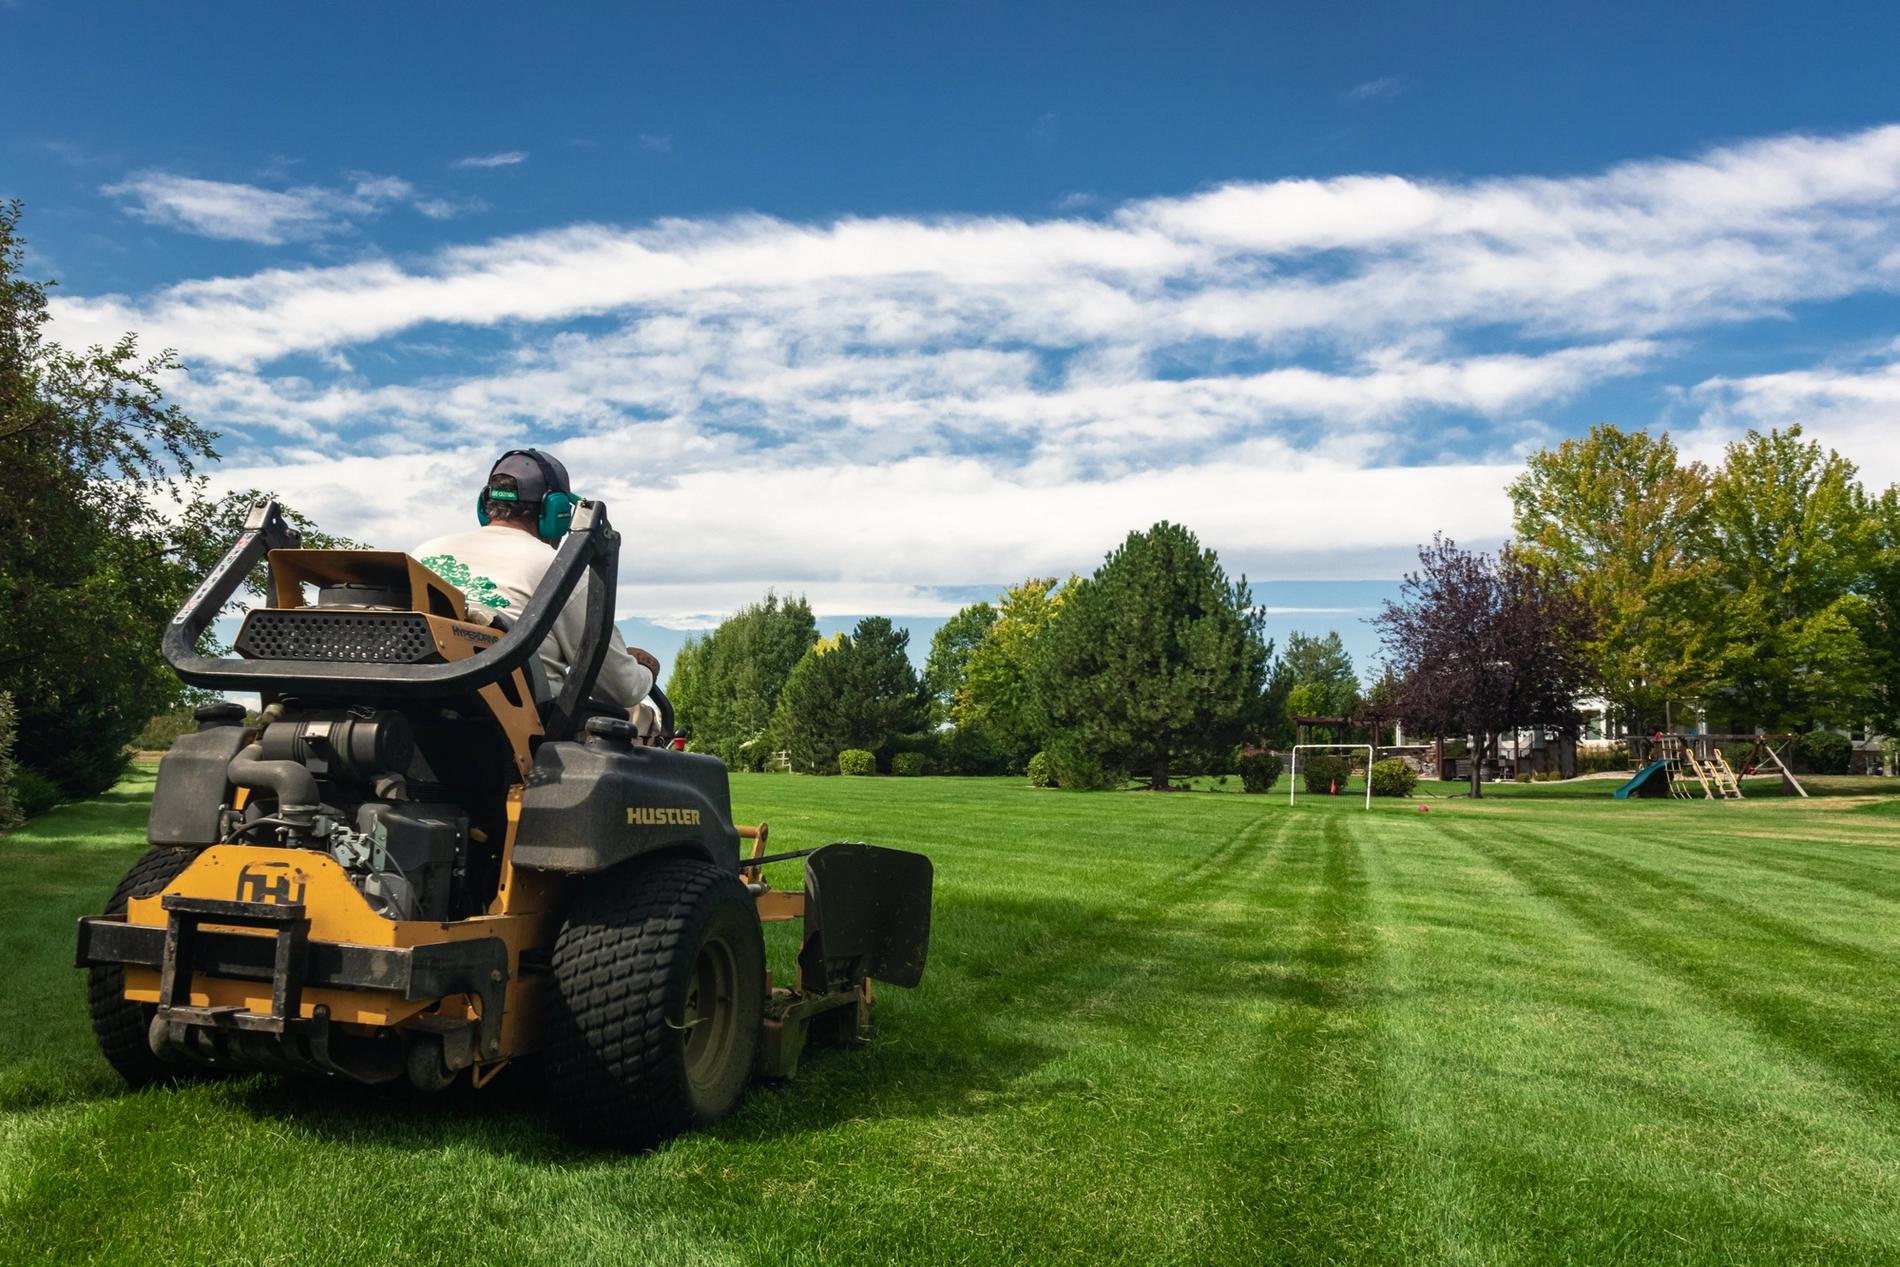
{"points": [[422, 861]]}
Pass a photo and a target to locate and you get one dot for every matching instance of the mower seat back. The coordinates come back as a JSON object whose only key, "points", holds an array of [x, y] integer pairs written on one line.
{"points": [[542, 690]]}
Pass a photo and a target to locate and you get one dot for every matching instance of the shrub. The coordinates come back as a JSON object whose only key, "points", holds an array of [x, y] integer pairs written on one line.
{"points": [[1079, 770], [1597, 760], [1825, 751], [909, 764], [1041, 771], [1522, 776], [967, 750], [34, 793], [9, 810], [1321, 770], [856, 761], [1259, 769], [161, 731], [1393, 777]]}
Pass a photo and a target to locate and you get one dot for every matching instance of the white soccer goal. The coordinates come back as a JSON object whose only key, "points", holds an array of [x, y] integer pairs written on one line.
{"points": [[1293, 775]]}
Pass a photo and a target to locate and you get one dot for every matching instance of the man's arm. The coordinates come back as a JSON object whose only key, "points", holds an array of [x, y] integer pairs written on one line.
{"points": [[625, 679]]}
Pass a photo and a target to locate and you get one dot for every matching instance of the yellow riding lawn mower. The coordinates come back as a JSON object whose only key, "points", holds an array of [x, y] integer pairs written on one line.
{"points": [[422, 862]]}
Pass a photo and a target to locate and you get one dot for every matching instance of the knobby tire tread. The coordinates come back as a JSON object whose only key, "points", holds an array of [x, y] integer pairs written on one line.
{"points": [[615, 1070], [121, 1025]]}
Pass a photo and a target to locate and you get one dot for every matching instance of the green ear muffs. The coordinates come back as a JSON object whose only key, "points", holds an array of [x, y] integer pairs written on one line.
{"points": [[557, 508], [557, 514]]}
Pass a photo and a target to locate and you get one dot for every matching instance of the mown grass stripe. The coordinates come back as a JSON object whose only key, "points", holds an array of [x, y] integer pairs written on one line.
{"points": [[1648, 1158]]}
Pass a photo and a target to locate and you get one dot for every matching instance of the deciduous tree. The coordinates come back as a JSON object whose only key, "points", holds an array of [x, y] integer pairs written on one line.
{"points": [[732, 678], [1324, 683], [1617, 517], [995, 699], [1793, 542], [950, 650], [1482, 644], [89, 568], [1880, 630]]}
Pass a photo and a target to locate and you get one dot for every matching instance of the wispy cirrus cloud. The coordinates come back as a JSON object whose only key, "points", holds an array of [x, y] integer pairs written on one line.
{"points": [[239, 212], [506, 158], [1382, 89], [1638, 251], [1314, 373]]}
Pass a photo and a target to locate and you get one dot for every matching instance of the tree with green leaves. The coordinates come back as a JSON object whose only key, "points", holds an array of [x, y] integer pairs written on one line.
{"points": [[1157, 656], [1275, 727], [104, 529], [207, 526], [1793, 539], [855, 690], [91, 451], [1618, 518], [725, 686], [1880, 627], [1323, 681], [686, 680], [949, 660], [994, 699]]}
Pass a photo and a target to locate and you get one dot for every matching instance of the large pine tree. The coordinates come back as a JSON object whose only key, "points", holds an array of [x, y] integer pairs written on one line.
{"points": [[1155, 657]]}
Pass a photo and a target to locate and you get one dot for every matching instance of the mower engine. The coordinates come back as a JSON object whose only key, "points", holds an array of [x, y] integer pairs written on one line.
{"points": [[342, 784]]}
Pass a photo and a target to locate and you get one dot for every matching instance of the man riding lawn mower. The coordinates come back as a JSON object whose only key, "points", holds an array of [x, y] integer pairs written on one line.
{"points": [[425, 859]]}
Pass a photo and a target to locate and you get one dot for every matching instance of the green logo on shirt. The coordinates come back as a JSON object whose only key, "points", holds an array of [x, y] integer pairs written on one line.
{"points": [[477, 589]]}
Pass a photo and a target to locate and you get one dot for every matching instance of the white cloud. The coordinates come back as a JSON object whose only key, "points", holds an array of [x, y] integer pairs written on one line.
{"points": [[219, 209], [1382, 89], [507, 158], [1315, 375], [1643, 249], [1855, 411], [705, 541], [271, 217]]}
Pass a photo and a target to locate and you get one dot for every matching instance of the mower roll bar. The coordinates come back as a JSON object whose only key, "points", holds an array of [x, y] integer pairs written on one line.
{"points": [[591, 548]]}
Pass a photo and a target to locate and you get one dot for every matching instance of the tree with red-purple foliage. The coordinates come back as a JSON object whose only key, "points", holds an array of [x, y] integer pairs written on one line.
{"points": [[1482, 643]]}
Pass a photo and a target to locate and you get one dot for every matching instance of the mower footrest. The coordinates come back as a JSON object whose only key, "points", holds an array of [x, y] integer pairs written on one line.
{"points": [[225, 1016], [287, 921]]}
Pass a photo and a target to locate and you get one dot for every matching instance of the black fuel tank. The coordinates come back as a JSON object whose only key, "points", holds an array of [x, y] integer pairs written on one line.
{"points": [[589, 806]]}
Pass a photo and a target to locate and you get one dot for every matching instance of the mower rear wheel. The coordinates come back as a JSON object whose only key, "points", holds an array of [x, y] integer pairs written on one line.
{"points": [[660, 997], [121, 1025]]}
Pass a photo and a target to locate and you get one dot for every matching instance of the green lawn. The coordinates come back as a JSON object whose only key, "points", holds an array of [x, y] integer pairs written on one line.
{"points": [[1544, 1027]]}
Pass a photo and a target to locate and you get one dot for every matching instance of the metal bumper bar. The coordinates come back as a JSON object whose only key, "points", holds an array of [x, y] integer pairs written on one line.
{"points": [[292, 963]]}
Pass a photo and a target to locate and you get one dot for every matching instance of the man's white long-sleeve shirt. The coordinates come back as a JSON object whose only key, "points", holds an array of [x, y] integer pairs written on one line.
{"points": [[497, 569]]}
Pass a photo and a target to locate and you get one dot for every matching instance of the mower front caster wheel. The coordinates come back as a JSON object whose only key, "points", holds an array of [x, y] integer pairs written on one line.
{"points": [[659, 979]]}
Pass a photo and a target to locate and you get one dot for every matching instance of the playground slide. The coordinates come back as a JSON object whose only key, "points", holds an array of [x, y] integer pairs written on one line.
{"points": [[1651, 771]]}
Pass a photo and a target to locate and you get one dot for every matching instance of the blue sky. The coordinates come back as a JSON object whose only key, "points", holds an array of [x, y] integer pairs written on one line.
{"points": [[893, 304]]}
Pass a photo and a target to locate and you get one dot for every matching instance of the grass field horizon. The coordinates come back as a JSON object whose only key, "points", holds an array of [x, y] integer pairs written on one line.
{"points": [[1544, 1026]]}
